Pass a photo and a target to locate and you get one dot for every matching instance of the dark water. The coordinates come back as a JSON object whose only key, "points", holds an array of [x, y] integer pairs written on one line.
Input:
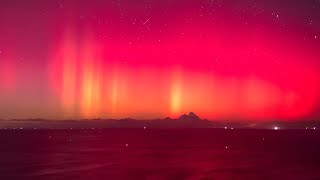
{"points": [[159, 154]]}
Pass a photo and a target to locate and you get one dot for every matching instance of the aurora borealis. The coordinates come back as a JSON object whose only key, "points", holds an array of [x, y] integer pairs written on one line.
{"points": [[251, 59]]}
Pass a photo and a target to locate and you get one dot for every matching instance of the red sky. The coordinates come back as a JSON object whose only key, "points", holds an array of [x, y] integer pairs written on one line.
{"points": [[256, 60]]}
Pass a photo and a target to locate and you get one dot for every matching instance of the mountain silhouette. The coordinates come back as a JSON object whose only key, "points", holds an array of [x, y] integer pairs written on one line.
{"points": [[191, 117]]}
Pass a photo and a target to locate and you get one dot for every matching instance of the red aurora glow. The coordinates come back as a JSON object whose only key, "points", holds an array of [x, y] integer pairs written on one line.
{"points": [[114, 66]]}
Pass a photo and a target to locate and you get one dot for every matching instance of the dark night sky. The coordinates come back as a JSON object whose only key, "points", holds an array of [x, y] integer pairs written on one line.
{"points": [[248, 59]]}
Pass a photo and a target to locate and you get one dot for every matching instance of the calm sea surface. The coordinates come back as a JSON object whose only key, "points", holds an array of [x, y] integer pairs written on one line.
{"points": [[159, 154]]}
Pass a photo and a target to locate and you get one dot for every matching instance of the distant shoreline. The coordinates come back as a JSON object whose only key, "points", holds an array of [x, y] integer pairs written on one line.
{"points": [[157, 123]]}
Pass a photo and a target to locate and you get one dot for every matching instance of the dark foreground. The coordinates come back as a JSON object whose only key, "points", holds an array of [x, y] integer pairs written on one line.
{"points": [[159, 154]]}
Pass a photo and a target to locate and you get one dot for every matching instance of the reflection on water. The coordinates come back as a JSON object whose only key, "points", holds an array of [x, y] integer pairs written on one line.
{"points": [[159, 154]]}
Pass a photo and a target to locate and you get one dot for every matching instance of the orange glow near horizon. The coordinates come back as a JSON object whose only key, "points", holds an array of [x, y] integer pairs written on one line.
{"points": [[68, 91], [100, 88], [175, 96]]}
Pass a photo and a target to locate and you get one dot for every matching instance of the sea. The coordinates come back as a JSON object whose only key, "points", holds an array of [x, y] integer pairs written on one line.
{"points": [[146, 153]]}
